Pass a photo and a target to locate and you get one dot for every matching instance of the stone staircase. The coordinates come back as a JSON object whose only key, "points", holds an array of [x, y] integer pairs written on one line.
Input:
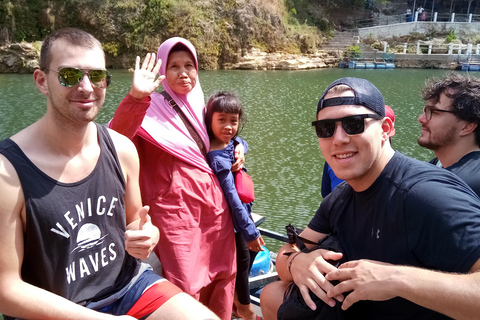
{"points": [[367, 51], [341, 41]]}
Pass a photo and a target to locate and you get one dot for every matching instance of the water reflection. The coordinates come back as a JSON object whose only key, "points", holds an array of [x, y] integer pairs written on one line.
{"points": [[284, 159]]}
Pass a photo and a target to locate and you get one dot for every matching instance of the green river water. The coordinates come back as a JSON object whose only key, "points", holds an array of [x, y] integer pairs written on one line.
{"points": [[284, 159]]}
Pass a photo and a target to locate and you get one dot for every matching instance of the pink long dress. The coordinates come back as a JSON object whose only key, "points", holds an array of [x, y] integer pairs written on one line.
{"points": [[197, 241]]}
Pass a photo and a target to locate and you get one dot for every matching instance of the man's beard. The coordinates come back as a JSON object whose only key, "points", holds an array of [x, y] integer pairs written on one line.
{"points": [[445, 139]]}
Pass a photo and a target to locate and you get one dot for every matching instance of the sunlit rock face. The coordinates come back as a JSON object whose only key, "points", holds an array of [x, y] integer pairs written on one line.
{"points": [[20, 57]]}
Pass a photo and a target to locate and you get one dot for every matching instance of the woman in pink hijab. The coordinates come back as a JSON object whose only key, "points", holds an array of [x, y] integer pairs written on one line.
{"points": [[197, 244]]}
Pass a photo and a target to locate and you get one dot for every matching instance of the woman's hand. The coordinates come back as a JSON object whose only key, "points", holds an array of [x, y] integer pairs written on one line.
{"points": [[144, 82], [240, 157]]}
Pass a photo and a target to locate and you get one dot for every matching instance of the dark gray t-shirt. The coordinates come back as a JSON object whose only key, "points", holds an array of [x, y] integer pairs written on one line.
{"points": [[468, 168], [414, 214]]}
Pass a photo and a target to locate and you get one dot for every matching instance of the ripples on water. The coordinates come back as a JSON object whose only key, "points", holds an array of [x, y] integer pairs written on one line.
{"points": [[284, 159]]}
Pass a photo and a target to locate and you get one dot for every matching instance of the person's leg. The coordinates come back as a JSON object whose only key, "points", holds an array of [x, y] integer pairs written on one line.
{"points": [[182, 306], [245, 311], [271, 298], [242, 290], [161, 299]]}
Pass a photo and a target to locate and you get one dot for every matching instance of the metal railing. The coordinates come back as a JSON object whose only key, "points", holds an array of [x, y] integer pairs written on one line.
{"points": [[406, 18]]}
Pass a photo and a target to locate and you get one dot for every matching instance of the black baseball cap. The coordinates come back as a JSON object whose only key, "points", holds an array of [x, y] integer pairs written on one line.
{"points": [[366, 94]]}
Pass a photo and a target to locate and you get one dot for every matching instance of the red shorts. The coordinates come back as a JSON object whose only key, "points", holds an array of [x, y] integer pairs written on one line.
{"points": [[153, 298]]}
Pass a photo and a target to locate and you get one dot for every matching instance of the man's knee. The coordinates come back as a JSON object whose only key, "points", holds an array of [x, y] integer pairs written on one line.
{"points": [[271, 298]]}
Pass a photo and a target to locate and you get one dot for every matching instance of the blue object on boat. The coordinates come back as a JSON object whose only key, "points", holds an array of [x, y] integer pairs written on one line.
{"points": [[369, 65], [360, 65], [261, 264], [380, 66], [465, 66], [390, 65], [474, 67], [351, 65]]}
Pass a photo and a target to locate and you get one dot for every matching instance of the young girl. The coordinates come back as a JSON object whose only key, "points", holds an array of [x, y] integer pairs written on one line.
{"points": [[223, 118]]}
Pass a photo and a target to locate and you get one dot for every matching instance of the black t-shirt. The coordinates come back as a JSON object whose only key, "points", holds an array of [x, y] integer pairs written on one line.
{"points": [[414, 214], [468, 168]]}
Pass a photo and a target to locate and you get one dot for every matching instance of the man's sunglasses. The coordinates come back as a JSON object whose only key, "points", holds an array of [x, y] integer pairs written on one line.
{"points": [[351, 125], [70, 77]]}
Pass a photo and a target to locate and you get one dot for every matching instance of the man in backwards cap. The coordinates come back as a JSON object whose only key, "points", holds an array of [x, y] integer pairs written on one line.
{"points": [[406, 217], [330, 180]]}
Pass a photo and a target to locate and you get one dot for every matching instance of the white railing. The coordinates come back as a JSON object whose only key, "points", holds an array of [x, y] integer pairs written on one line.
{"points": [[448, 48], [406, 18]]}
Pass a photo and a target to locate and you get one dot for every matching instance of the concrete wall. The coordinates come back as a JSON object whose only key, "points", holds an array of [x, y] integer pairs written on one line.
{"points": [[427, 61], [403, 29]]}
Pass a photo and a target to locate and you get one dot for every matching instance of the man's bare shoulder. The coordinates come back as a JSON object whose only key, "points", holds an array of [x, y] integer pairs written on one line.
{"points": [[120, 141], [126, 150], [24, 137], [10, 187], [8, 174]]}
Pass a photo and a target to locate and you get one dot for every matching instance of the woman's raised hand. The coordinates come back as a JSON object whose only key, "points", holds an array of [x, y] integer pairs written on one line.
{"points": [[144, 82]]}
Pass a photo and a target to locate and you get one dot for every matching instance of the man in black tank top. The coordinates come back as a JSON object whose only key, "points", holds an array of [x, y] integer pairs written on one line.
{"points": [[72, 226]]}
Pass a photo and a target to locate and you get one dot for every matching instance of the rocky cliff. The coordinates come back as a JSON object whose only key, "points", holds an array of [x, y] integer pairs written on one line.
{"points": [[24, 58], [19, 58], [257, 60], [223, 31]]}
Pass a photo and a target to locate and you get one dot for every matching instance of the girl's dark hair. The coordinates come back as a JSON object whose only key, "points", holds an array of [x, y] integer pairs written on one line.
{"points": [[226, 102]]}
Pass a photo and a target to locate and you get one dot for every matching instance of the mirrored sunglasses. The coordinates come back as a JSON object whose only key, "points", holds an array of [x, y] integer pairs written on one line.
{"points": [[351, 125], [69, 77]]}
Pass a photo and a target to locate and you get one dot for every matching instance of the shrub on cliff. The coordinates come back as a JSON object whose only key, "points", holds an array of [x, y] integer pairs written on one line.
{"points": [[220, 29]]}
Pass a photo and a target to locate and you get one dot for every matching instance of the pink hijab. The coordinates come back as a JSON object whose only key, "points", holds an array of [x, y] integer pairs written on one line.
{"points": [[164, 125]]}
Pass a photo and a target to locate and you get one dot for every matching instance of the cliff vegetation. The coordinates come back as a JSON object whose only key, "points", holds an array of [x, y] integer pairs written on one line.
{"points": [[221, 30]]}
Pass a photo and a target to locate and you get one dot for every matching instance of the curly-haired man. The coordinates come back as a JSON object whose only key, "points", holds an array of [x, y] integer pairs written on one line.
{"points": [[450, 125]]}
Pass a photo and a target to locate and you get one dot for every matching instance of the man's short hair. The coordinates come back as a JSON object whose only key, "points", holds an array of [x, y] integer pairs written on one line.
{"points": [[71, 36], [465, 92]]}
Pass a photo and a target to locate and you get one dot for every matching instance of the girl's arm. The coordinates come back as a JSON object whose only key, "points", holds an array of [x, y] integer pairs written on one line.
{"points": [[241, 218]]}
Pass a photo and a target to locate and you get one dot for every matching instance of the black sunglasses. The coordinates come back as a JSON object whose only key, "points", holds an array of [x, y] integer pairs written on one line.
{"points": [[70, 77], [351, 125], [429, 112]]}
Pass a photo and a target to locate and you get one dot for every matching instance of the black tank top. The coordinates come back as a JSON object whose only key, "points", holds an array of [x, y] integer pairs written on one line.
{"points": [[74, 239]]}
